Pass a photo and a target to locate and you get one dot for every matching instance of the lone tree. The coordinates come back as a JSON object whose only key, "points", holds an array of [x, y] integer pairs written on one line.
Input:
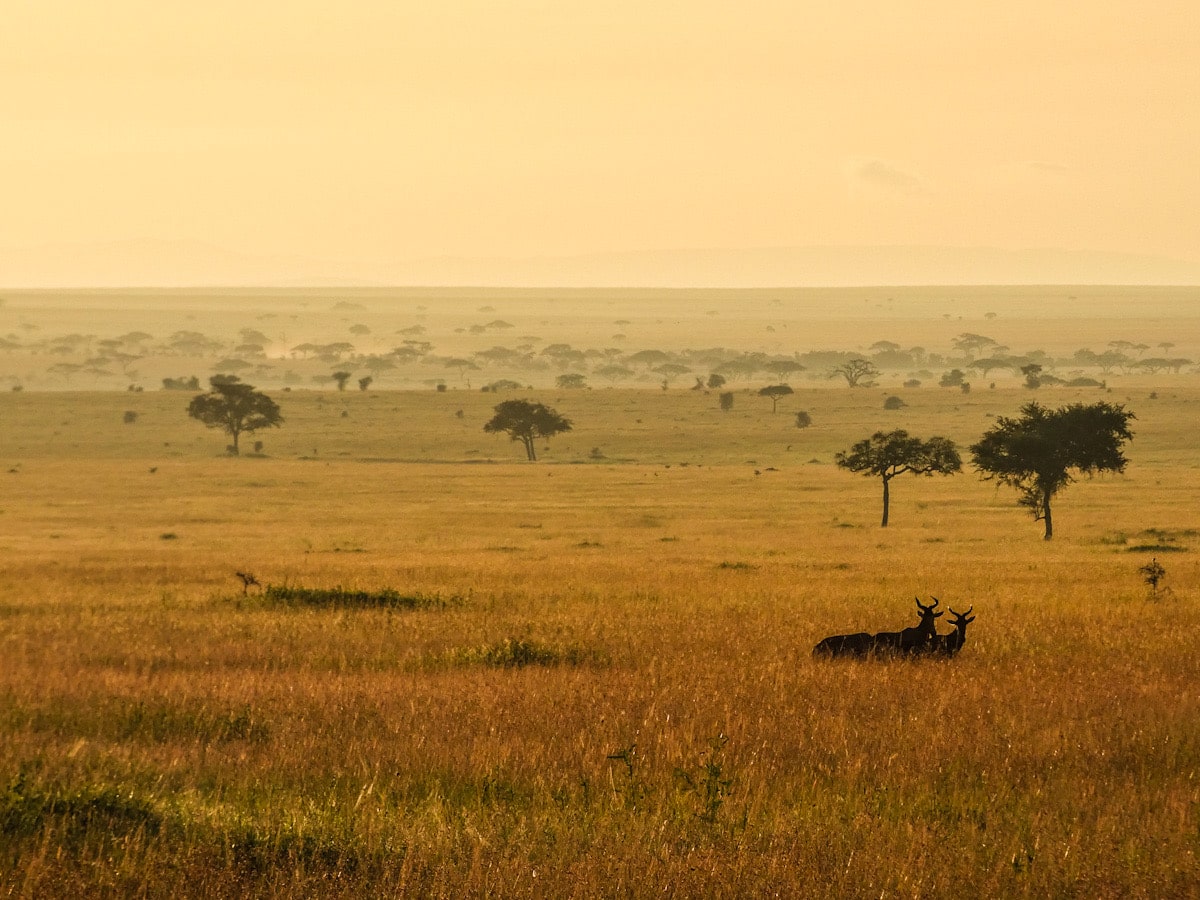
{"points": [[888, 454], [1037, 453], [571, 381], [341, 377], [775, 391], [857, 372], [234, 407], [525, 421]]}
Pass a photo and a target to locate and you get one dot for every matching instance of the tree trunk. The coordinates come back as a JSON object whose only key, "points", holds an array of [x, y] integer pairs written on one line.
{"points": [[529, 449], [886, 482], [1046, 515], [236, 452]]}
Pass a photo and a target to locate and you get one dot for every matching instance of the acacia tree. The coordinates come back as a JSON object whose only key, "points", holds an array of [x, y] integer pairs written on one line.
{"points": [[1037, 453], [775, 391], [857, 372], [234, 407], [525, 421], [885, 455]]}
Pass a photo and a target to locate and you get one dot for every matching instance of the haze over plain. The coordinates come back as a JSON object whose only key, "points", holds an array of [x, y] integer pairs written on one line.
{"points": [[539, 143]]}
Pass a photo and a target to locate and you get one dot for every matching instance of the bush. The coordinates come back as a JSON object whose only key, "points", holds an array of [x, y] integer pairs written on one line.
{"points": [[894, 402], [803, 419]]}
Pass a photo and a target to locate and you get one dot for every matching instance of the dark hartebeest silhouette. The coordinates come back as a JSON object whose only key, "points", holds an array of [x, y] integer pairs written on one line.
{"points": [[846, 645], [911, 640], [950, 644]]}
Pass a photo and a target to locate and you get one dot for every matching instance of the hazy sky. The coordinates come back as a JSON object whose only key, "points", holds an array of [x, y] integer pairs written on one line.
{"points": [[366, 131]]}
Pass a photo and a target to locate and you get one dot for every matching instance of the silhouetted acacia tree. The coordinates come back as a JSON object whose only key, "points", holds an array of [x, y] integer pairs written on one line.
{"points": [[885, 455], [1037, 453], [775, 391], [525, 421], [857, 372], [234, 407], [341, 377]]}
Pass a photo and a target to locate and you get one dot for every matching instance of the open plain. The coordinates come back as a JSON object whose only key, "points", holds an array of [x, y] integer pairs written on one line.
{"points": [[589, 675]]}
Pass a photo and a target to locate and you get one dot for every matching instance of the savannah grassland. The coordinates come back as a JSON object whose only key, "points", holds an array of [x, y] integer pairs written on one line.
{"points": [[604, 686]]}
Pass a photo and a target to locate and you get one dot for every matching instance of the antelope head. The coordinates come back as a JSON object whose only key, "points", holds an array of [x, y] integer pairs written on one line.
{"points": [[961, 620]]}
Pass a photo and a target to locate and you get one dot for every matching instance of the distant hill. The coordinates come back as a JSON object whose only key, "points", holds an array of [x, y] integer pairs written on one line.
{"points": [[185, 263]]}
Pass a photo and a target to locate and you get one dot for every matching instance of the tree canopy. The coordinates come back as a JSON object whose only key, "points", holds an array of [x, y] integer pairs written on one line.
{"points": [[526, 421], [1038, 453], [775, 391], [885, 455], [857, 372], [234, 407]]}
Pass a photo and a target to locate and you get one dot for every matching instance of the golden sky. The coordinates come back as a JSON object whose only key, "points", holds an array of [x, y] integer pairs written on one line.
{"points": [[365, 132]]}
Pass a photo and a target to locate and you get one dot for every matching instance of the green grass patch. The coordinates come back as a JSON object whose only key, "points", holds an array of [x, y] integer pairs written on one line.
{"points": [[75, 813], [348, 598], [518, 653], [163, 724]]}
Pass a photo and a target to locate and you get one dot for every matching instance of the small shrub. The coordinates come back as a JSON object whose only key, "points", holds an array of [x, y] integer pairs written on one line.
{"points": [[129, 417], [1152, 574], [953, 378], [803, 419], [894, 402]]}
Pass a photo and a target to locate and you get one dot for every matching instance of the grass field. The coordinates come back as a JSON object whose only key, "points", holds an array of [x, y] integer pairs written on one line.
{"points": [[589, 676]]}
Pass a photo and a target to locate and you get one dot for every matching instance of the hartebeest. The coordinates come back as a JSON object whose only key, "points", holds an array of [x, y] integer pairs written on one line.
{"points": [[950, 644], [846, 645], [911, 640]]}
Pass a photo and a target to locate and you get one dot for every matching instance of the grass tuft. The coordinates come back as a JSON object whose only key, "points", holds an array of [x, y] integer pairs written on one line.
{"points": [[517, 653]]}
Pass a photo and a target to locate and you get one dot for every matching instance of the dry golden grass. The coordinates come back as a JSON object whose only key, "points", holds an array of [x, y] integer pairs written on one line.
{"points": [[166, 735]]}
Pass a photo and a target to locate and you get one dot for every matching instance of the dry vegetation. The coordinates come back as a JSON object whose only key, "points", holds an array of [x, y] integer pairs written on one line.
{"points": [[602, 685]]}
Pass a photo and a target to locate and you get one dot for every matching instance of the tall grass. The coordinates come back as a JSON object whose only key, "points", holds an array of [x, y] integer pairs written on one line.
{"points": [[626, 704]]}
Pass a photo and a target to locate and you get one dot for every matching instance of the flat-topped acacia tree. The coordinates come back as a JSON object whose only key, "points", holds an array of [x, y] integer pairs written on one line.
{"points": [[234, 407], [526, 421], [885, 455], [1037, 453]]}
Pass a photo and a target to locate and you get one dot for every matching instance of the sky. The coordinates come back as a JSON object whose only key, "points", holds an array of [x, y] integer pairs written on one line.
{"points": [[151, 140]]}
